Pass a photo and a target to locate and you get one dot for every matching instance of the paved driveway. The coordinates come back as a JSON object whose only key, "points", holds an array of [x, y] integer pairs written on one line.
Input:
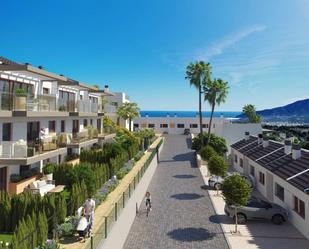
{"points": [[181, 206]]}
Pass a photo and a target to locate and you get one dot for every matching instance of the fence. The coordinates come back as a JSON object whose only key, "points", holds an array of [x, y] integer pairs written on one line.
{"points": [[120, 204]]}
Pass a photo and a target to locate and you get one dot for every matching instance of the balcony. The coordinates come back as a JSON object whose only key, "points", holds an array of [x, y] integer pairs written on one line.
{"points": [[22, 152], [30, 106], [110, 109], [86, 137]]}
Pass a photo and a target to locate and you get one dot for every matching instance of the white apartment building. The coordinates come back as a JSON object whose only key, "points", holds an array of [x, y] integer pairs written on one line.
{"points": [[43, 118], [280, 172], [176, 125], [113, 102]]}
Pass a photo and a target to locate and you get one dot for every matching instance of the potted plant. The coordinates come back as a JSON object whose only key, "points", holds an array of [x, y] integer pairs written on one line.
{"points": [[20, 100], [48, 171]]}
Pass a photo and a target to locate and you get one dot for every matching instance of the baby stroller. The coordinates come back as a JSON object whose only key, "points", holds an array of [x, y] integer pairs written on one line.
{"points": [[84, 225]]}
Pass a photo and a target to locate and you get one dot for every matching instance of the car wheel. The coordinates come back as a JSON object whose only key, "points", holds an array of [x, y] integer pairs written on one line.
{"points": [[277, 219], [241, 218], [217, 186]]}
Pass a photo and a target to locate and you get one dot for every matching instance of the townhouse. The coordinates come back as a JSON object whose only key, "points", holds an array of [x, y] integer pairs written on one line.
{"points": [[221, 126], [44, 117], [280, 173]]}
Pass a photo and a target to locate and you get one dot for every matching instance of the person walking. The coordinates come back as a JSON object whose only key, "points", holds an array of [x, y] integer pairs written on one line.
{"points": [[148, 202], [89, 208]]}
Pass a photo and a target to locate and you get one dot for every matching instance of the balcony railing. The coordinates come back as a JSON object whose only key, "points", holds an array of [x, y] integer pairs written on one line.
{"points": [[24, 149], [110, 108], [87, 106], [85, 135]]}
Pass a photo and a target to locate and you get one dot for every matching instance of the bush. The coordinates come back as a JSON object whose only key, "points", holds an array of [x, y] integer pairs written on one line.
{"points": [[207, 152], [48, 169], [218, 143], [217, 165], [66, 229]]}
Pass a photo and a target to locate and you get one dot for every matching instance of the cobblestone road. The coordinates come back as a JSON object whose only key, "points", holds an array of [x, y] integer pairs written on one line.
{"points": [[182, 210]]}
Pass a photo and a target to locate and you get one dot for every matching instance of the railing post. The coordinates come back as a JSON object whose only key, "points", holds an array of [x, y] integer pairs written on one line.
{"points": [[91, 242], [130, 190], [105, 230], [116, 211], [123, 199]]}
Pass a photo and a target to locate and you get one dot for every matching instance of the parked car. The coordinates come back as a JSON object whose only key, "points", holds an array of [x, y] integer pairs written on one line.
{"points": [[186, 132], [217, 181], [257, 209]]}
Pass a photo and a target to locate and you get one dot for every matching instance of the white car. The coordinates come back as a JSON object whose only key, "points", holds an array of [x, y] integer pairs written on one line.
{"points": [[217, 181]]}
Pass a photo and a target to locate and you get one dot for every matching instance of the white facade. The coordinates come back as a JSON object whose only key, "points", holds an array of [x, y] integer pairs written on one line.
{"points": [[113, 103], [51, 103], [267, 181], [232, 132]]}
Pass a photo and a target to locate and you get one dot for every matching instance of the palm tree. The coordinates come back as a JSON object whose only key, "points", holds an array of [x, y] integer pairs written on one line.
{"points": [[215, 92], [128, 111], [250, 111], [199, 74]]}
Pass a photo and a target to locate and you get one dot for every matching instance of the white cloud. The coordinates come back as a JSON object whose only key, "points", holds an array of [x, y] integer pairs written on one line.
{"points": [[218, 48]]}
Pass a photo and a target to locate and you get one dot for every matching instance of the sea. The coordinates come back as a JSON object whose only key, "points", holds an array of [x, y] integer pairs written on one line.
{"points": [[187, 114]]}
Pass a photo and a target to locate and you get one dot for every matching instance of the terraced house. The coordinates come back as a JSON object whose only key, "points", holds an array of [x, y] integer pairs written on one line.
{"points": [[44, 117], [280, 172]]}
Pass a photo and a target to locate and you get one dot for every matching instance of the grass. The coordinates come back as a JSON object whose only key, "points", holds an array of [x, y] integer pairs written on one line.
{"points": [[6, 237]]}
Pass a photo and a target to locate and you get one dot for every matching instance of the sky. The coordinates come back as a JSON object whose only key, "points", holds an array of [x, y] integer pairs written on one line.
{"points": [[142, 47]]}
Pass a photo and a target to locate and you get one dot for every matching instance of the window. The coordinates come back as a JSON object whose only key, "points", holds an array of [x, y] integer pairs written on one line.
{"points": [[193, 125], [6, 131], [85, 123], [33, 131], [151, 126], [91, 122], [52, 126], [299, 207], [252, 169], [180, 125], [136, 125], [235, 159], [279, 191], [163, 125], [204, 125], [241, 162], [62, 125], [45, 90], [262, 178]]}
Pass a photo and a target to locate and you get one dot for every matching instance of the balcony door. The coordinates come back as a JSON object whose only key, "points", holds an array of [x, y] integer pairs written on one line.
{"points": [[75, 127], [33, 131], [3, 175]]}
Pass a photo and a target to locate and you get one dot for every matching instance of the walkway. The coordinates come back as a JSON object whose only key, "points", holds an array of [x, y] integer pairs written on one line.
{"points": [[181, 205]]}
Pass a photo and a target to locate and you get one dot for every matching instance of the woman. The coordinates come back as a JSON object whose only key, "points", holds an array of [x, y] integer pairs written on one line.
{"points": [[148, 200]]}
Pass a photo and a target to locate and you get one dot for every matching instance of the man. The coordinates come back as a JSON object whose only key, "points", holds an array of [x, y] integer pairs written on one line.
{"points": [[89, 208]]}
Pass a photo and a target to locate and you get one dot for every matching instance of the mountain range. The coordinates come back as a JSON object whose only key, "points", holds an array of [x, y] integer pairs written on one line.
{"points": [[297, 111]]}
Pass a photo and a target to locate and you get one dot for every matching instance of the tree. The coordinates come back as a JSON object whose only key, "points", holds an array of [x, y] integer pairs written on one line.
{"points": [[215, 92], [128, 111], [250, 112], [199, 74], [236, 192], [305, 145], [216, 142], [207, 152], [217, 166]]}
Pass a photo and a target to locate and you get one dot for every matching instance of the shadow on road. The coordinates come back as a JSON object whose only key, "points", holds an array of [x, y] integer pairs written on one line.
{"points": [[184, 176], [191, 234], [187, 196], [220, 218]]}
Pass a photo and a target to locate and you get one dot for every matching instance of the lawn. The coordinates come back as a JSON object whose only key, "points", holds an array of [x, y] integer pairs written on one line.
{"points": [[6, 237]]}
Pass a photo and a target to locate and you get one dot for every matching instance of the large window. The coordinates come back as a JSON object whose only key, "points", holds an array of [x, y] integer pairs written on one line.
{"points": [[62, 125], [136, 125], [241, 162], [151, 126], [52, 126], [33, 131], [252, 171], [7, 132], [262, 178], [163, 125], [279, 191], [193, 126], [180, 125], [11, 86], [299, 207]]}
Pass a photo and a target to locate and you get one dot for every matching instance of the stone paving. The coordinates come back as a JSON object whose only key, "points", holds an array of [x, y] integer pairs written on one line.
{"points": [[181, 206]]}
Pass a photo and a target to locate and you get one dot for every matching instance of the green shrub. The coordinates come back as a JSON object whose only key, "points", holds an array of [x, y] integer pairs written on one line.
{"points": [[218, 143], [207, 152], [66, 230], [48, 168]]}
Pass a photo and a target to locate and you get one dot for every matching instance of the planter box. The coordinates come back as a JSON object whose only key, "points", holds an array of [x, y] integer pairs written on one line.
{"points": [[18, 187], [20, 103]]}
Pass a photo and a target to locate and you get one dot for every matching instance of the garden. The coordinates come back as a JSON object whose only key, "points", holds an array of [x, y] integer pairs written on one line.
{"points": [[27, 220]]}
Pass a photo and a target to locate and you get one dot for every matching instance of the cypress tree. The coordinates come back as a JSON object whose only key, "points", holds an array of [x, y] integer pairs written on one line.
{"points": [[42, 229]]}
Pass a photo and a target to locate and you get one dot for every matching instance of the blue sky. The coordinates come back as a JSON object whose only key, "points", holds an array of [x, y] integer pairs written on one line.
{"points": [[142, 47]]}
